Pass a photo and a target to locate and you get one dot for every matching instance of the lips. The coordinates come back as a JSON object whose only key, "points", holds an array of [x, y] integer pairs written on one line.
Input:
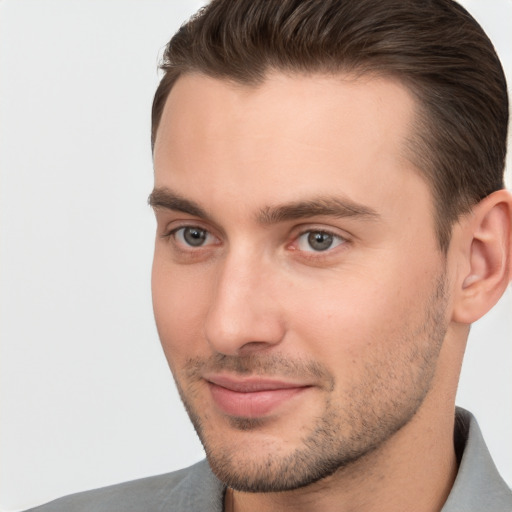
{"points": [[252, 397]]}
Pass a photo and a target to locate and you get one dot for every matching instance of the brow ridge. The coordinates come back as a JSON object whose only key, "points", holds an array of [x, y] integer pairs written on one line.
{"points": [[169, 200], [316, 207], [321, 206]]}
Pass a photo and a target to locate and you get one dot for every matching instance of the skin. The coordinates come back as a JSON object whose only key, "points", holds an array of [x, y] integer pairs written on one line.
{"points": [[365, 330]]}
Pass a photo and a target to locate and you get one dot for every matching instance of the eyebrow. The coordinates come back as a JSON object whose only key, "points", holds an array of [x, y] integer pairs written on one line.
{"points": [[165, 198], [316, 207], [321, 206]]}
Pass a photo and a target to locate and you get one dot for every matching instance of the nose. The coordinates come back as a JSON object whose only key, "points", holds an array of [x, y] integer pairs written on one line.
{"points": [[244, 316]]}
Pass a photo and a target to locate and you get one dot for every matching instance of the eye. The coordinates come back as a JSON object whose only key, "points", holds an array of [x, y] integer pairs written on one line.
{"points": [[318, 241], [193, 236]]}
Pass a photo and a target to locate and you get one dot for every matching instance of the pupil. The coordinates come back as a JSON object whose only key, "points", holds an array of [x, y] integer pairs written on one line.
{"points": [[320, 241], [194, 236]]}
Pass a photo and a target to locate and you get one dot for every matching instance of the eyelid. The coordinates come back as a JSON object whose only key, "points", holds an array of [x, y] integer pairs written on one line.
{"points": [[336, 241], [321, 228], [344, 238], [209, 239], [171, 226], [176, 226]]}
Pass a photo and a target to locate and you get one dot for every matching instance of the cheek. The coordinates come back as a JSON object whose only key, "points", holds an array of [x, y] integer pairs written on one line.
{"points": [[348, 318], [180, 303], [338, 329]]}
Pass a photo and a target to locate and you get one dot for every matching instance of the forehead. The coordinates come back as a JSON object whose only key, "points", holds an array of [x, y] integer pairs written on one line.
{"points": [[249, 144]]}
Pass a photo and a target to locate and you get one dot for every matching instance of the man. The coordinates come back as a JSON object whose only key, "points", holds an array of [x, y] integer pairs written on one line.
{"points": [[331, 219]]}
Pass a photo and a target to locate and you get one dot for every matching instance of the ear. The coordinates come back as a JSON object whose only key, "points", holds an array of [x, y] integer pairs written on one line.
{"points": [[486, 241]]}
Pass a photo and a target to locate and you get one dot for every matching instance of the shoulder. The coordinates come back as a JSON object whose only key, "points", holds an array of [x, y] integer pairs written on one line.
{"points": [[188, 489]]}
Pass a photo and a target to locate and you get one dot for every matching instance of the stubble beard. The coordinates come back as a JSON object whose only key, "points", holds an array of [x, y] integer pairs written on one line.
{"points": [[344, 433]]}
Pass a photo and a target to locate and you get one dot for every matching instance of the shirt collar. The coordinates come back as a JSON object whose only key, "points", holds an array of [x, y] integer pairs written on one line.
{"points": [[478, 485]]}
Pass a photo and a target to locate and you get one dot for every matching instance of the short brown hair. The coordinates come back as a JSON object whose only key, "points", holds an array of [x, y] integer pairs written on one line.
{"points": [[434, 47]]}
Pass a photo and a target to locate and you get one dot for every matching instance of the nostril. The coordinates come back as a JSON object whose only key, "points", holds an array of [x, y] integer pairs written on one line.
{"points": [[253, 346]]}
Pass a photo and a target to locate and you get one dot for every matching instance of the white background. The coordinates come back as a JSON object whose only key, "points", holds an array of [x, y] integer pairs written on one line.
{"points": [[86, 397]]}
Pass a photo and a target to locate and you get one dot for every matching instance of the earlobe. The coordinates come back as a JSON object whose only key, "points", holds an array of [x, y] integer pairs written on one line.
{"points": [[487, 236]]}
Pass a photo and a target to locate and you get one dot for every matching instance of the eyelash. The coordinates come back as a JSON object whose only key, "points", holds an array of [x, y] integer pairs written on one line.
{"points": [[183, 247], [337, 239]]}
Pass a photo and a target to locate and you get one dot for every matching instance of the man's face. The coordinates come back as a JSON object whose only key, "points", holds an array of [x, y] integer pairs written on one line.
{"points": [[297, 284]]}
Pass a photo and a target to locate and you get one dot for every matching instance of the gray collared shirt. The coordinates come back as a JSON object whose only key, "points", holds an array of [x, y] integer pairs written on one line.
{"points": [[477, 488]]}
